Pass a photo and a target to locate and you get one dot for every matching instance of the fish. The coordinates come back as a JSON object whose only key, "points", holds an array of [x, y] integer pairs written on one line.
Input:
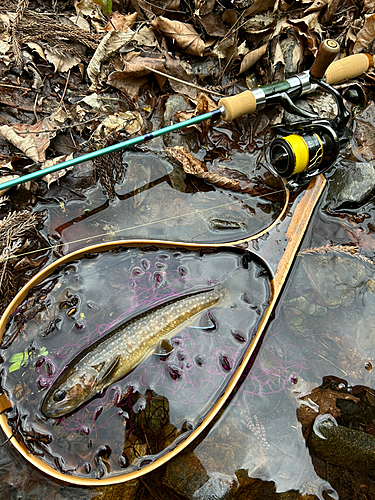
{"points": [[119, 351]]}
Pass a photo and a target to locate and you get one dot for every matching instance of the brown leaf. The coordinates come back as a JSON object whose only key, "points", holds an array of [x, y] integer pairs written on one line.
{"points": [[365, 132], [187, 39], [121, 22], [33, 140], [317, 5], [366, 35], [213, 25], [49, 178], [252, 57], [304, 26], [111, 42], [223, 177], [326, 400], [182, 71], [134, 74], [157, 7], [259, 6], [203, 7], [6, 178]]}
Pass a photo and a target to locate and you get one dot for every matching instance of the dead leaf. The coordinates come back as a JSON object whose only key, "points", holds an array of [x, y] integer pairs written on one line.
{"points": [[146, 36], [181, 70], [203, 7], [6, 178], [121, 22], [62, 61], [252, 57], [317, 5], [110, 43], [326, 400], [366, 35], [225, 48], [87, 8], [213, 25], [134, 74], [131, 121], [158, 8], [33, 140], [55, 176], [364, 133], [304, 26], [226, 178], [187, 39], [259, 6]]}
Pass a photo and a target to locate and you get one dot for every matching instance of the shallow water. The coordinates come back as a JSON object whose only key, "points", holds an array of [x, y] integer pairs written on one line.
{"points": [[166, 396], [316, 358], [158, 201]]}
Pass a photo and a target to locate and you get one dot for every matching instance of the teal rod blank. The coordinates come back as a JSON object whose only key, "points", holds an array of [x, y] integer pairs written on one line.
{"points": [[110, 149]]}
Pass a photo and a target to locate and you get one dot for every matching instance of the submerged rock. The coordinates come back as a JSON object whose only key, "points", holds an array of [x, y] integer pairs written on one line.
{"points": [[351, 185], [341, 446], [124, 491], [185, 475]]}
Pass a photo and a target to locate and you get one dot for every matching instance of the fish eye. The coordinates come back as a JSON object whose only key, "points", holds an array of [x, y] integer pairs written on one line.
{"points": [[59, 395]]}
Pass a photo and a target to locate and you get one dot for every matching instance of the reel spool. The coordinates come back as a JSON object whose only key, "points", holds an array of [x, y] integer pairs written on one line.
{"points": [[308, 151]]}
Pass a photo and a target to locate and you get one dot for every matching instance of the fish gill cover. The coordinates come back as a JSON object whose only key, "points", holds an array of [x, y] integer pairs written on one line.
{"points": [[165, 396]]}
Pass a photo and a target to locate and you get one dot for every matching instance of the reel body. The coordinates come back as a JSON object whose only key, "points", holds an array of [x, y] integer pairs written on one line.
{"points": [[311, 146]]}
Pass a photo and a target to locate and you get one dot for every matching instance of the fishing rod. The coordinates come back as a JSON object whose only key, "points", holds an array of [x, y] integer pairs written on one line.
{"points": [[306, 149]]}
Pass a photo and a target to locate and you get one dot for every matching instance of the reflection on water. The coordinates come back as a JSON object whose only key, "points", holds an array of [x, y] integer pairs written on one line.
{"points": [[157, 200], [168, 394], [310, 388]]}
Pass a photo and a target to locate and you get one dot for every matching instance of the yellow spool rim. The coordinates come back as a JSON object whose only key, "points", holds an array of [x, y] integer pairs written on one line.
{"points": [[300, 151]]}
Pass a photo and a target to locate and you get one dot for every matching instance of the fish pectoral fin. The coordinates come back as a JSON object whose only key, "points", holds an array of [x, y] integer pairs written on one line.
{"points": [[163, 348], [204, 321], [104, 378]]}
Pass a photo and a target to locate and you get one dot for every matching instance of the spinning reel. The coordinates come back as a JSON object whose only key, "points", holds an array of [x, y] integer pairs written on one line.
{"points": [[309, 147]]}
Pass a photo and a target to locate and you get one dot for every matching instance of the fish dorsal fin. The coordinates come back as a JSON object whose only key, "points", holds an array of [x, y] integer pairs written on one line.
{"points": [[104, 379]]}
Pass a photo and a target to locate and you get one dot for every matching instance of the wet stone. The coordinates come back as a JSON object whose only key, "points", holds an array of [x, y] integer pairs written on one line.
{"points": [[174, 104], [357, 448], [351, 184], [185, 475], [124, 491], [335, 279]]}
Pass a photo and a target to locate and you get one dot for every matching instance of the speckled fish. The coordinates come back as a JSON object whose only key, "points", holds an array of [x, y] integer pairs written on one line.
{"points": [[118, 352]]}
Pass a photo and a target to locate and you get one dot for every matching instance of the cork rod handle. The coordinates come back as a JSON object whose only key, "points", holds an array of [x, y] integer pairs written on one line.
{"points": [[348, 68]]}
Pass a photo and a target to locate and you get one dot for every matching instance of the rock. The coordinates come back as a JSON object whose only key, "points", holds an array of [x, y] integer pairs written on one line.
{"points": [[123, 491], [336, 278], [357, 448], [185, 475], [351, 185], [174, 104]]}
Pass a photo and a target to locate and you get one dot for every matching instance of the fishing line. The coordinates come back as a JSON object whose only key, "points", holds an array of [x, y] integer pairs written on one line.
{"points": [[88, 238]]}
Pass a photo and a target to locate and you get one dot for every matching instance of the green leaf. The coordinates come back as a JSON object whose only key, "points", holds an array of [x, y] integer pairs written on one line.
{"points": [[15, 366], [19, 357], [43, 351], [106, 6]]}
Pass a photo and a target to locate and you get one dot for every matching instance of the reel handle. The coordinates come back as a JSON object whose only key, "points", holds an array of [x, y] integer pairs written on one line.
{"points": [[327, 52]]}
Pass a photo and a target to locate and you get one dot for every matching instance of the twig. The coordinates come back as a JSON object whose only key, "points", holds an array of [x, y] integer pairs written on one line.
{"points": [[15, 87], [203, 89], [64, 127], [64, 91]]}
